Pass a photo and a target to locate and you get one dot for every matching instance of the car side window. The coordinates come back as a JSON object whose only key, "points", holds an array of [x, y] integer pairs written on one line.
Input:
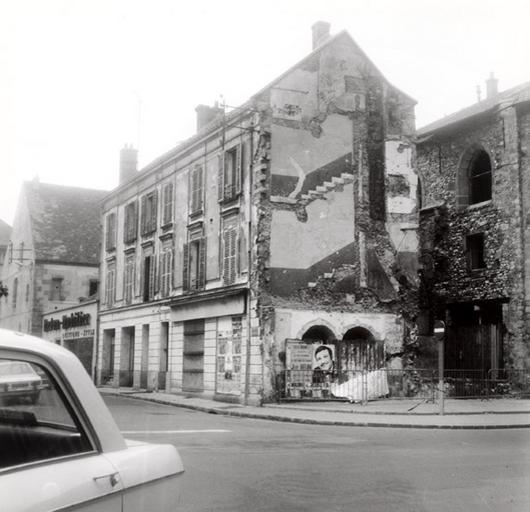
{"points": [[36, 420]]}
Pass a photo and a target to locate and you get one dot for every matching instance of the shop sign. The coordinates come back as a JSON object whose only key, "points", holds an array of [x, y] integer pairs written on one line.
{"points": [[78, 319]]}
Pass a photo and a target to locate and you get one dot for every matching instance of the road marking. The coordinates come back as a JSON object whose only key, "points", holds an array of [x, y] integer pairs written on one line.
{"points": [[206, 431]]}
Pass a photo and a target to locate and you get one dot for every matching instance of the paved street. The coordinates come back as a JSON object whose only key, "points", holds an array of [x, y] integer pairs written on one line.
{"points": [[241, 464]]}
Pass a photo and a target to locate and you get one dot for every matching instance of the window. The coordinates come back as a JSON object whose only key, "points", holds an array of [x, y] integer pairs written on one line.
{"points": [[149, 212], [229, 180], [149, 277], [194, 271], [128, 280], [92, 287], [474, 177], [475, 251], [480, 178], [196, 189], [110, 284], [130, 226], [230, 251], [110, 240], [37, 422], [15, 292], [167, 204], [56, 289], [166, 270]]}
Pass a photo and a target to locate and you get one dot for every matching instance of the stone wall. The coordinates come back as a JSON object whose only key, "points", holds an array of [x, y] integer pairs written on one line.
{"points": [[446, 276]]}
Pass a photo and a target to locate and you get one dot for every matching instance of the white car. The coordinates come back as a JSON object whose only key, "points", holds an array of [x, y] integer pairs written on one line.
{"points": [[18, 380], [65, 452]]}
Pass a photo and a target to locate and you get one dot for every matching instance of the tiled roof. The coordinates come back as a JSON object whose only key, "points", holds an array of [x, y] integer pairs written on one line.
{"points": [[511, 96], [5, 233], [65, 222]]}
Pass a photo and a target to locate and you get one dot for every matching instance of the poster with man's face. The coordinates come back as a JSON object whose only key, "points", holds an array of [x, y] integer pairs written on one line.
{"points": [[323, 357]]}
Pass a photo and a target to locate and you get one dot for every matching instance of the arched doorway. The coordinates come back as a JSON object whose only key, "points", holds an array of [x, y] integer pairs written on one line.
{"points": [[359, 350]]}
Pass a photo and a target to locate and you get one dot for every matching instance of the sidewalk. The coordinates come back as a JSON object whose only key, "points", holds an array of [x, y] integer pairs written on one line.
{"points": [[458, 414]]}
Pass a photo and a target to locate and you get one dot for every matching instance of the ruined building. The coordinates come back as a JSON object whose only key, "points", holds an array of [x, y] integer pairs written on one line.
{"points": [[288, 221], [474, 169]]}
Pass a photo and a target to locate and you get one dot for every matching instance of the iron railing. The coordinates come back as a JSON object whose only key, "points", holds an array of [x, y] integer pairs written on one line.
{"points": [[387, 383]]}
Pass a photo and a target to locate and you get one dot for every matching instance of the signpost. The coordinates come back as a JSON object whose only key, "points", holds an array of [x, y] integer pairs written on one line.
{"points": [[439, 333]]}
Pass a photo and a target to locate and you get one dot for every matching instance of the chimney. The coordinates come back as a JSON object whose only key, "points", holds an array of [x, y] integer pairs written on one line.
{"points": [[206, 114], [320, 33], [128, 163], [491, 86]]}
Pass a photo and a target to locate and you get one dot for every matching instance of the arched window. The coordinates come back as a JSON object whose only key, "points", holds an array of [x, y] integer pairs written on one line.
{"points": [[480, 178], [318, 333], [474, 180]]}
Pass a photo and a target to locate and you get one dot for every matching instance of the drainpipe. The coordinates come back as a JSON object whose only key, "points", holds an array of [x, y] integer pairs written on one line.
{"points": [[249, 264]]}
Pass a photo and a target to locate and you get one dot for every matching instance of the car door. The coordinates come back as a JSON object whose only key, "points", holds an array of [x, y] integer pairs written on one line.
{"points": [[49, 459]]}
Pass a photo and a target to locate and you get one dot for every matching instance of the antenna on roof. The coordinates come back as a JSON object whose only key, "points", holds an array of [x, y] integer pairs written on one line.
{"points": [[478, 93]]}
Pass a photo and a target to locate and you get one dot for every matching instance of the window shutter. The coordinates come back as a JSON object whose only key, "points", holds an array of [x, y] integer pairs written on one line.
{"points": [[172, 269], [168, 203], [154, 211], [134, 220], [199, 188], [201, 278], [220, 177], [185, 267], [239, 165], [107, 230], [126, 222], [156, 275], [143, 223], [232, 249]]}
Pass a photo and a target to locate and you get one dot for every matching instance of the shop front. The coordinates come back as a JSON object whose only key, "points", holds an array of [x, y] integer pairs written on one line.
{"points": [[74, 328]]}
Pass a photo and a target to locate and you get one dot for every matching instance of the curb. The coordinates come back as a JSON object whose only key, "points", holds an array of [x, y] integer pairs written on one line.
{"points": [[309, 421]]}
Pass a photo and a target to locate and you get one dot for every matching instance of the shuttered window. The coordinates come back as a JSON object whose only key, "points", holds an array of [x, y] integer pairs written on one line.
{"points": [[110, 239], [196, 189], [229, 179], [194, 269], [149, 212], [166, 271], [110, 284], [229, 254], [167, 204], [129, 277], [149, 278], [130, 226]]}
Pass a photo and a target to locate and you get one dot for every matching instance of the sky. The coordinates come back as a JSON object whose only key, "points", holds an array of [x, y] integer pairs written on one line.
{"points": [[79, 79]]}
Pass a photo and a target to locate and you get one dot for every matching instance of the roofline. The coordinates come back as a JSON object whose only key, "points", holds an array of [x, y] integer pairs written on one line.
{"points": [[208, 132], [320, 48], [428, 133], [512, 98], [48, 261], [240, 111]]}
